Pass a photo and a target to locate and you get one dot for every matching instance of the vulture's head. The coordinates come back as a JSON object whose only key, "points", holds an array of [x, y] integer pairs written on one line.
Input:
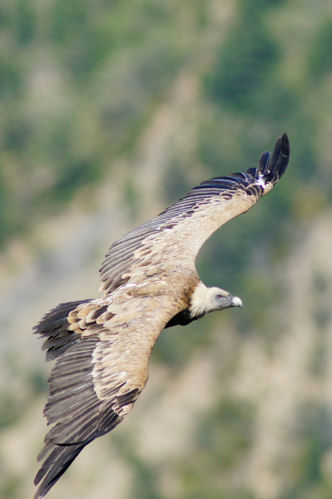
{"points": [[206, 300]]}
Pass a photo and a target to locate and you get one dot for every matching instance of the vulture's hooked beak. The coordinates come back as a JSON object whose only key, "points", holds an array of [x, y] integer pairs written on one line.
{"points": [[235, 301]]}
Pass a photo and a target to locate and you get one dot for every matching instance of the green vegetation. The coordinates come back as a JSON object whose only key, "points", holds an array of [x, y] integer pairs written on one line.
{"points": [[313, 430], [245, 61], [223, 437], [79, 83], [72, 100], [253, 95]]}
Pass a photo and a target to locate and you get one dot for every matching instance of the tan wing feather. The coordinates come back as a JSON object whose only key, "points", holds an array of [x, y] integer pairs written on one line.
{"points": [[175, 236]]}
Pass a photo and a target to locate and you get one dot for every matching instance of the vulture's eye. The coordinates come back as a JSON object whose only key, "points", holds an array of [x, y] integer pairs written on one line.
{"points": [[219, 297]]}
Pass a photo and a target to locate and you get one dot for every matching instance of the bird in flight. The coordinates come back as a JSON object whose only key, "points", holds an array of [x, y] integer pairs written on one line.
{"points": [[102, 346]]}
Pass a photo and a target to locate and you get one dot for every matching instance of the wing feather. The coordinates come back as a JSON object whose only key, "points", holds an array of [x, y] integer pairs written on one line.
{"points": [[97, 376], [197, 215]]}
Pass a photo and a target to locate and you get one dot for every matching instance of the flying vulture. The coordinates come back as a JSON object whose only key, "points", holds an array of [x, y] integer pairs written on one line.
{"points": [[102, 346]]}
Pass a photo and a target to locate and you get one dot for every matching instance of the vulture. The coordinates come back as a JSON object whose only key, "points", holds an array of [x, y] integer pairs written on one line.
{"points": [[101, 346]]}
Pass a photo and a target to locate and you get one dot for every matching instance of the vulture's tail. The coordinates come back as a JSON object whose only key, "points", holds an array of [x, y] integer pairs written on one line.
{"points": [[53, 327]]}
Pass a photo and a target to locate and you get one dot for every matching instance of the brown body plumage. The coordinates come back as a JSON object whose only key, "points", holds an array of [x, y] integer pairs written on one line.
{"points": [[102, 346]]}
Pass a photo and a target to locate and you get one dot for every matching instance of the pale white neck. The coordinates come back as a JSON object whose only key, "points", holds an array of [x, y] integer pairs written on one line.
{"points": [[200, 301]]}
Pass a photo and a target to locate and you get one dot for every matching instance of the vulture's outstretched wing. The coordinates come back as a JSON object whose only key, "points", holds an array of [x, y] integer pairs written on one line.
{"points": [[175, 236], [101, 368]]}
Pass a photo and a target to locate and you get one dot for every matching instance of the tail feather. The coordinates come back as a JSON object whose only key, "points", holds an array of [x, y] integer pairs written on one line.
{"points": [[53, 327]]}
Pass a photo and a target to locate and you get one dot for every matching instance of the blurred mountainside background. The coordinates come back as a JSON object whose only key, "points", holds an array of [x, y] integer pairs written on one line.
{"points": [[108, 112]]}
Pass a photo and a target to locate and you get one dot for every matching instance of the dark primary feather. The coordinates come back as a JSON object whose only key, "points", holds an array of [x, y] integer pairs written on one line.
{"points": [[272, 168], [120, 258]]}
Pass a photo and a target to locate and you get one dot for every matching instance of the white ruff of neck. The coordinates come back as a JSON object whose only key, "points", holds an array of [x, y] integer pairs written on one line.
{"points": [[200, 301]]}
